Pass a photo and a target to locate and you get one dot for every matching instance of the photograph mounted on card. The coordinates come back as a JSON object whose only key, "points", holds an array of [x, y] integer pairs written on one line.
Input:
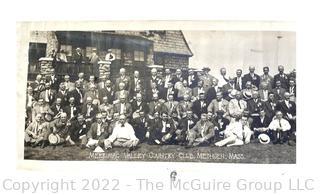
{"points": [[197, 92]]}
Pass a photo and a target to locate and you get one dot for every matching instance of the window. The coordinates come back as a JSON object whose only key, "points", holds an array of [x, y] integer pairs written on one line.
{"points": [[89, 51], [67, 49], [139, 56], [117, 53]]}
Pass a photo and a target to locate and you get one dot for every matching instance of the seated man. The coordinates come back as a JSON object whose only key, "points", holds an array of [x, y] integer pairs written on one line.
{"points": [[97, 134], [184, 106], [123, 107], [60, 127], [236, 134], [222, 123], [261, 124], [123, 135], [184, 126], [106, 107], [141, 126], [202, 133], [162, 130], [37, 132], [279, 128], [78, 130]]}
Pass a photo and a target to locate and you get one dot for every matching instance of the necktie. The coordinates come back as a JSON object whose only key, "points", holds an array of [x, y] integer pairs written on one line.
{"points": [[188, 128], [280, 123], [36, 128], [239, 104]]}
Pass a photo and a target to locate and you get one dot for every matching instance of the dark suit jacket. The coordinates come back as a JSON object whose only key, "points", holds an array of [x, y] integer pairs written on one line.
{"points": [[258, 124], [92, 133], [254, 80], [211, 94], [77, 97], [64, 97], [236, 84], [109, 93], [76, 110], [78, 58], [253, 107], [284, 80], [183, 124], [143, 106], [92, 113], [54, 109], [157, 126], [197, 109], [76, 130], [285, 110], [225, 90], [128, 109], [164, 92], [269, 108], [279, 96]]}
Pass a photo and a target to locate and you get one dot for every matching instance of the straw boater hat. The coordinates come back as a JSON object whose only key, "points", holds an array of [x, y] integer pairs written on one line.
{"points": [[54, 139], [264, 138]]}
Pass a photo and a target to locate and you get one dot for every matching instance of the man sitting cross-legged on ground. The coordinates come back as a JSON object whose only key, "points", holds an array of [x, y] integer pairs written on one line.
{"points": [[37, 132], [202, 133], [97, 134], [162, 130], [237, 133], [123, 135]]}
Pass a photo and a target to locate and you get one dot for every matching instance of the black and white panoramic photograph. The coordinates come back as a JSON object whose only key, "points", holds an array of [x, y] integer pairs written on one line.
{"points": [[213, 96]]}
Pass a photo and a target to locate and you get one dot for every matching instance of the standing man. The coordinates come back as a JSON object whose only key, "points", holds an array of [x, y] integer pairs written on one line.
{"points": [[94, 59], [252, 77], [48, 94], [266, 78], [282, 77], [206, 78], [239, 80], [78, 58], [223, 79], [123, 79]]}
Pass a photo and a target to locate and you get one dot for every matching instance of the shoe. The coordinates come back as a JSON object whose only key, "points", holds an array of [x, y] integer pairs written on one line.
{"points": [[82, 146], [43, 144]]}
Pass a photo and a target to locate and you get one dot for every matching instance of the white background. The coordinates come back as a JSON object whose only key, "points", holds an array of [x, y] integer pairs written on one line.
{"points": [[305, 13]]}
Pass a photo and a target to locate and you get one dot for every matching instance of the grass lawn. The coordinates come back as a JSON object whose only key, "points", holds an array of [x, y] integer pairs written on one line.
{"points": [[251, 153]]}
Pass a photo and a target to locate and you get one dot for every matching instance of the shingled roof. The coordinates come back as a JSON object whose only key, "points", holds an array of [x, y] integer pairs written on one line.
{"points": [[169, 41]]}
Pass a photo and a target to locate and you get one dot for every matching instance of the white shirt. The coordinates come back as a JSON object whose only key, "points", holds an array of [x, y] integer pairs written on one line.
{"points": [[163, 127], [126, 132], [98, 129], [283, 123], [29, 104], [122, 108], [237, 129]]}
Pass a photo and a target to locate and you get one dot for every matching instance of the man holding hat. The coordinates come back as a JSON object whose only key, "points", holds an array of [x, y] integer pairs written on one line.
{"points": [[206, 78]]}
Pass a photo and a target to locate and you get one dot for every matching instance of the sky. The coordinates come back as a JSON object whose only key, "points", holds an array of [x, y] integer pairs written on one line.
{"points": [[241, 49]]}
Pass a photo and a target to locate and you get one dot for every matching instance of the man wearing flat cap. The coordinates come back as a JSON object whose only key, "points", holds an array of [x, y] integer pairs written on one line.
{"points": [[206, 78]]}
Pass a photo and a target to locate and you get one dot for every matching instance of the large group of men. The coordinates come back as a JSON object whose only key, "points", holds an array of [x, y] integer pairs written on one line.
{"points": [[188, 108]]}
